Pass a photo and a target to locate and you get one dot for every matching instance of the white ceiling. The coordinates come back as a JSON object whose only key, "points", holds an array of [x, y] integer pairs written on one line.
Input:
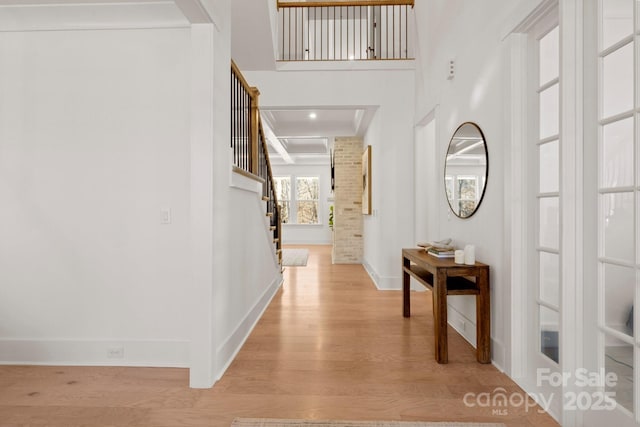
{"points": [[40, 15], [328, 122], [308, 139]]}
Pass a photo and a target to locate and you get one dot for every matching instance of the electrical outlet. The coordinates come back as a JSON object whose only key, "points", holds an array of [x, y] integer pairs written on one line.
{"points": [[115, 352]]}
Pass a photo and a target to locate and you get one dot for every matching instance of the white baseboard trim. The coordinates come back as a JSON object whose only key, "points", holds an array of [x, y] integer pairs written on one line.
{"points": [[66, 352], [388, 283], [232, 345], [307, 242], [467, 328], [463, 325], [497, 356]]}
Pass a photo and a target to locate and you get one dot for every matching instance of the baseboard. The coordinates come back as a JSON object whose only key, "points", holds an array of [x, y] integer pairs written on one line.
{"points": [[463, 325], [95, 352], [387, 283], [232, 345], [307, 242], [497, 356]]}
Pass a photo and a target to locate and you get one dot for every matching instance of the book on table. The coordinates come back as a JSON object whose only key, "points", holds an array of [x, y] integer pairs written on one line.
{"points": [[441, 253]]}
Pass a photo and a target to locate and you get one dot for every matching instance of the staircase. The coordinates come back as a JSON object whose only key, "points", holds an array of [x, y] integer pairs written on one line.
{"points": [[250, 154]]}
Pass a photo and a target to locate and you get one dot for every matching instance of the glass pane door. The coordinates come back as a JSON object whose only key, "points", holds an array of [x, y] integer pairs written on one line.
{"points": [[544, 201], [548, 200], [618, 189]]}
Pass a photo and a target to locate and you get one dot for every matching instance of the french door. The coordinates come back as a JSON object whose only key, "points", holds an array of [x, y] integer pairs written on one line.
{"points": [[615, 260], [544, 251]]}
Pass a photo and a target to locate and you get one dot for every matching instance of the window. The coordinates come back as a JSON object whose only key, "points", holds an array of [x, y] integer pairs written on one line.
{"points": [[307, 189], [464, 192], [283, 194], [305, 208], [467, 194]]}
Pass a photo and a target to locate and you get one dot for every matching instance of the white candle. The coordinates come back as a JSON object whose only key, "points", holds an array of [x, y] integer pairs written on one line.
{"points": [[470, 255], [459, 256]]}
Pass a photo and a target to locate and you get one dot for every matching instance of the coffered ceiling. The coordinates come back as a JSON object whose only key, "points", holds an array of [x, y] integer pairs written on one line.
{"points": [[306, 133]]}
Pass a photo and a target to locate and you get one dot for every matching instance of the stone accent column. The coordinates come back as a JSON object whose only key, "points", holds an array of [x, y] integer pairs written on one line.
{"points": [[348, 244]]}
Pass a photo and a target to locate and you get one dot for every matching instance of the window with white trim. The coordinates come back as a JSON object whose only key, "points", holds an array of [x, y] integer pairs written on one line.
{"points": [[307, 195], [282, 186], [304, 208]]}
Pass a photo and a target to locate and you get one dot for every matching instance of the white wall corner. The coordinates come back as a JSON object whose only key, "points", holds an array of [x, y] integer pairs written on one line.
{"points": [[194, 11], [387, 283], [232, 345], [201, 210], [216, 9]]}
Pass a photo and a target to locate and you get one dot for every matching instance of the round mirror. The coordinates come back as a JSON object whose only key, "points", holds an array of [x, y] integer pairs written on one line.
{"points": [[466, 170]]}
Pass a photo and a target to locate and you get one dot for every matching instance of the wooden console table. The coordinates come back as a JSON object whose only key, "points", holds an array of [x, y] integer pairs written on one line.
{"points": [[445, 277]]}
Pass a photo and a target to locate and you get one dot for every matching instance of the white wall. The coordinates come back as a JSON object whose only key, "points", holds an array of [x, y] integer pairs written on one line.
{"points": [[475, 94], [309, 234], [390, 228], [244, 270], [252, 268], [99, 132], [94, 131]]}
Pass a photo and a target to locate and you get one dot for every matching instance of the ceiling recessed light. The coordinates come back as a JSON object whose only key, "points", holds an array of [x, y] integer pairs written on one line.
{"points": [[312, 116]]}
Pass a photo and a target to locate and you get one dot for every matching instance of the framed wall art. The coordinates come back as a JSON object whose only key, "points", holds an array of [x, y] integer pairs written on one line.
{"points": [[366, 181]]}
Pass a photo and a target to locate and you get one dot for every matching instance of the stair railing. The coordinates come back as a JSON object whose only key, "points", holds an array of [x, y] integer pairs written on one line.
{"points": [[250, 152], [348, 30]]}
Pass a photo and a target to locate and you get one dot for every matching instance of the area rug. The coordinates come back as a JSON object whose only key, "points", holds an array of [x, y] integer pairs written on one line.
{"points": [[266, 422], [295, 257]]}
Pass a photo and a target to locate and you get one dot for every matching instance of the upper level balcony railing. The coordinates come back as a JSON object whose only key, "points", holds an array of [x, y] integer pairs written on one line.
{"points": [[345, 30]]}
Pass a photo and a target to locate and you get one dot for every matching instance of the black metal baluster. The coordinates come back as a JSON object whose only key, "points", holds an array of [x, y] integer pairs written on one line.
{"points": [[393, 23], [360, 35], [406, 31]]}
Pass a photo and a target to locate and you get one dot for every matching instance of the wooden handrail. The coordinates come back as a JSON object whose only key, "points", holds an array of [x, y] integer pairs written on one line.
{"points": [[255, 126], [240, 77], [347, 3], [251, 154]]}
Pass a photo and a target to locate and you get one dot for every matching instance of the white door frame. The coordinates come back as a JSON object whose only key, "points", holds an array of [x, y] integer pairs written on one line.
{"points": [[432, 184], [516, 127]]}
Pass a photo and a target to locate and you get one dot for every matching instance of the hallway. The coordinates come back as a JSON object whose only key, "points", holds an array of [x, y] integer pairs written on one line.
{"points": [[328, 346], [332, 346]]}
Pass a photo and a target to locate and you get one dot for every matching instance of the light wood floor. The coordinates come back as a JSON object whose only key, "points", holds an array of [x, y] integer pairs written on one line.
{"points": [[329, 346]]}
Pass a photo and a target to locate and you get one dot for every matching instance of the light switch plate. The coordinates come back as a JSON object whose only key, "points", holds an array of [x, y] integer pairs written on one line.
{"points": [[165, 216]]}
